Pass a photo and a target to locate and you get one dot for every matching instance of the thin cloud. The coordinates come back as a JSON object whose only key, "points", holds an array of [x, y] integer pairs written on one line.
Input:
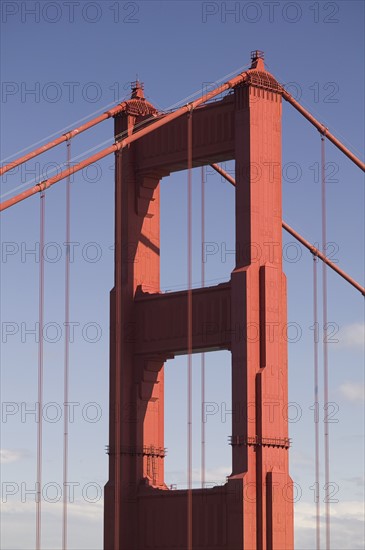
{"points": [[352, 336], [353, 392], [7, 456], [85, 524], [346, 525], [358, 481], [214, 476]]}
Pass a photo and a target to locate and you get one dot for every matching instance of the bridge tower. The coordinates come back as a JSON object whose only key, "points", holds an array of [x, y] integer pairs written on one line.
{"points": [[247, 316]]}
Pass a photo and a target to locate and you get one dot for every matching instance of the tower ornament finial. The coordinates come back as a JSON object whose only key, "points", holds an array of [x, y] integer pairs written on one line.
{"points": [[137, 89], [257, 60]]}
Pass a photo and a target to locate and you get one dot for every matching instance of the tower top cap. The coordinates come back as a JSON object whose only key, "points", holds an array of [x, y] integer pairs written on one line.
{"points": [[137, 90], [257, 60]]}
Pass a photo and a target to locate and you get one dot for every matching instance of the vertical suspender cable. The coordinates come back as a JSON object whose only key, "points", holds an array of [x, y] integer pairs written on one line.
{"points": [[325, 345], [66, 355], [316, 401], [40, 374], [203, 354], [190, 334]]}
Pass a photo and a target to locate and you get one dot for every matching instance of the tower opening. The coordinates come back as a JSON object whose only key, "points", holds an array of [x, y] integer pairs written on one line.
{"points": [[215, 412]]}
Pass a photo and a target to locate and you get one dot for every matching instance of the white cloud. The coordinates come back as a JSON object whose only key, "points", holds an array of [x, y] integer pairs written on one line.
{"points": [[352, 336], [213, 476], [358, 481], [353, 391], [85, 524], [300, 459], [7, 456], [79, 508], [347, 519], [216, 475]]}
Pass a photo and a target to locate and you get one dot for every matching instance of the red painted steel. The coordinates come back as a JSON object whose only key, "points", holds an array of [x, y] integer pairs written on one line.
{"points": [[255, 77], [290, 99], [168, 118], [324, 258], [315, 251], [125, 142], [254, 508], [223, 173], [258, 287], [211, 329], [65, 137], [136, 390]]}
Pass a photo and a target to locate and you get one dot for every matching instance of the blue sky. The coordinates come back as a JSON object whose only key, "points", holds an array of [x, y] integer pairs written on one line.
{"points": [[64, 62]]}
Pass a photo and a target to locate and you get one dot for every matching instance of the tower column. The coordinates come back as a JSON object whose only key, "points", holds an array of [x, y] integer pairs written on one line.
{"points": [[137, 251], [259, 361]]}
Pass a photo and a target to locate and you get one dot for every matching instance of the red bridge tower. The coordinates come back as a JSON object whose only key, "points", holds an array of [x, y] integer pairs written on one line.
{"points": [[254, 509]]}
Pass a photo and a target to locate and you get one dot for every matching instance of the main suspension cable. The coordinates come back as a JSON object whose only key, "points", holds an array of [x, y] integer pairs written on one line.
{"points": [[302, 240], [117, 146], [324, 131], [121, 135], [112, 111]]}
